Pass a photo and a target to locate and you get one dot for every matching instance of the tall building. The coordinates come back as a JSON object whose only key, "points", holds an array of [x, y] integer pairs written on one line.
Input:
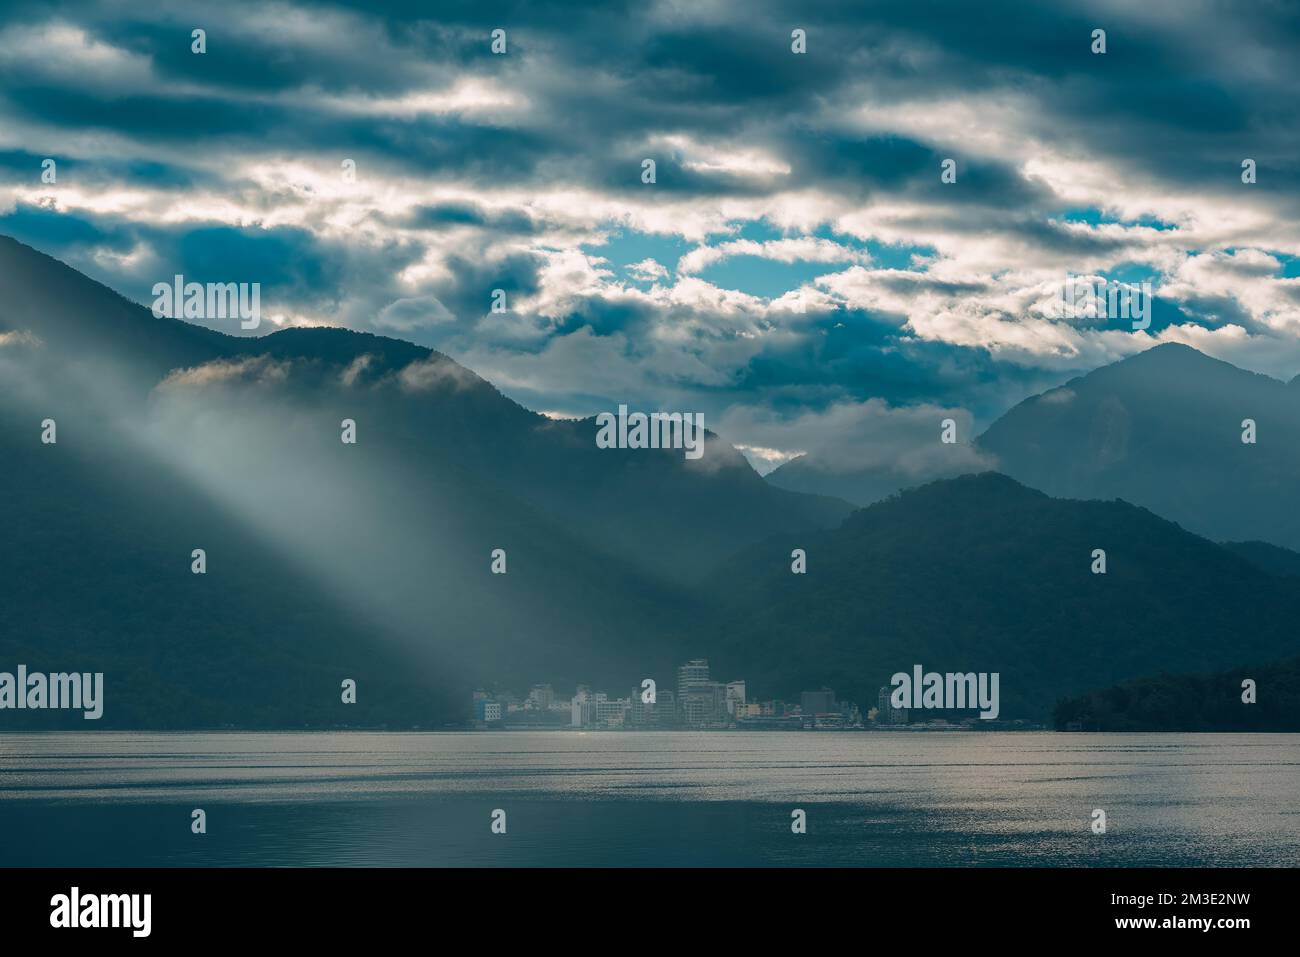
{"points": [[886, 713], [650, 714], [700, 702], [692, 674], [704, 705], [581, 707], [735, 698], [664, 710]]}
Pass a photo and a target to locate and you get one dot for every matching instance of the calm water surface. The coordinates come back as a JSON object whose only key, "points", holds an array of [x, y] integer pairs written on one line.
{"points": [[649, 799]]}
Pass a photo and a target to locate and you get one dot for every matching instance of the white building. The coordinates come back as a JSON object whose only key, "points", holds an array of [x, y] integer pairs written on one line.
{"points": [[735, 698]]}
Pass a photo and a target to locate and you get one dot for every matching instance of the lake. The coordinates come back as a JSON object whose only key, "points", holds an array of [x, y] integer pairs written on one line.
{"points": [[648, 799]]}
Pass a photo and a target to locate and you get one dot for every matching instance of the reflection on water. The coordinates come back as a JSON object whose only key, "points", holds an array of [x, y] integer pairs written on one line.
{"points": [[649, 799]]}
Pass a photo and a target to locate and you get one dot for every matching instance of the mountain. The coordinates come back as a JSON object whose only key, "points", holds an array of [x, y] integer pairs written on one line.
{"points": [[1269, 558], [863, 485], [1161, 429], [1160, 703], [374, 560], [683, 514], [1164, 429], [96, 566], [983, 574], [326, 560]]}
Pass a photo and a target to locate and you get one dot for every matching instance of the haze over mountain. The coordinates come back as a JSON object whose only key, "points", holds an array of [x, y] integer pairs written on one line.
{"points": [[1164, 429], [865, 485], [341, 557], [372, 561], [695, 511]]}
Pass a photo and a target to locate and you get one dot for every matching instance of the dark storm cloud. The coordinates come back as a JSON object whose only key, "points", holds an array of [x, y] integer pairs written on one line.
{"points": [[450, 214], [150, 118], [477, 172], [60, 233]]}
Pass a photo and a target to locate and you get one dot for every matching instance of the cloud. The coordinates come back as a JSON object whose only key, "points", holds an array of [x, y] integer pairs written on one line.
{"points": [[61, 52], [258, 370], [648, 270], [436, 372], [19, 339], [406, 315], [798, 252], [858, 436], [355, 370], [779, 250]]}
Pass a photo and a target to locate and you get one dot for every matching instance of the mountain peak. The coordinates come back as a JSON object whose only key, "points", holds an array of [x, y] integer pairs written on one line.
{"points": [[1175, 365], [975, 492], [981, 568], [1165, 429], [1169, 355], [1172, 348], [981, 485]]}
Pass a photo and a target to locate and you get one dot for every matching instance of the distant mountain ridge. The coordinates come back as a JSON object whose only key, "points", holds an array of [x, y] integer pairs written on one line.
{"points": [[861, 486], [1164, 429], [982, 574]]}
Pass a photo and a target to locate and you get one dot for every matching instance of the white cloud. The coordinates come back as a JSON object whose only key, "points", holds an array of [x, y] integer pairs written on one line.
{"points": [[648, 270], [407, 315], [803, 249], [64, 52], [256, 369], [434, 372], [855, 436]]}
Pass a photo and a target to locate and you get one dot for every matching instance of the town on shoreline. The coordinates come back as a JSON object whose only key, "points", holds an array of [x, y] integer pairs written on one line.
{"points": [[701, 703]]}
